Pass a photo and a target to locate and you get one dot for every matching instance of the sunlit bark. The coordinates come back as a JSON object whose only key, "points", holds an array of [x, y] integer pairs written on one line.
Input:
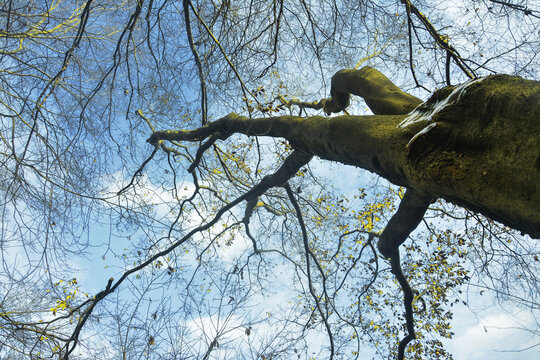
{"points": [[476, 145]]}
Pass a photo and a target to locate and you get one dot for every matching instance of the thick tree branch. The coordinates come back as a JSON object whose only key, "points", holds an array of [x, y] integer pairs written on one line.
{"points": [[475, 145], [411, 211], [381, 95]]}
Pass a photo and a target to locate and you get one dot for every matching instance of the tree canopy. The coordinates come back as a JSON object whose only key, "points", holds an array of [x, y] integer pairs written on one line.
{"points": [[139, 220]]}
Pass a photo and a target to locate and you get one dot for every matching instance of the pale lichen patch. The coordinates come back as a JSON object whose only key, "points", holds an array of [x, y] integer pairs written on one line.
{"points": [[427, 113], [420, 133]]}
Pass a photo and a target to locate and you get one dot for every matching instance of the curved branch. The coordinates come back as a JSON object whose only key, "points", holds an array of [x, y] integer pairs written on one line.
{"points": [[381, 95], [411, 211]]}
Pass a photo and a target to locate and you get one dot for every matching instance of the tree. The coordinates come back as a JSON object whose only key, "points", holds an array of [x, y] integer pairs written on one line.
{"points": [[220, 213], [460, 136]]}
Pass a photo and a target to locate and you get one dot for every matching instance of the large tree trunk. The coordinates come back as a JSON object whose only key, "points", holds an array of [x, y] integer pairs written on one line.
{"points": [[477, 145]]}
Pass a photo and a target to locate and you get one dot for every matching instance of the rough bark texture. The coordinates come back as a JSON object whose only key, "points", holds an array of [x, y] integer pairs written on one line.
{"points": [[476, 145], [484, 150]]}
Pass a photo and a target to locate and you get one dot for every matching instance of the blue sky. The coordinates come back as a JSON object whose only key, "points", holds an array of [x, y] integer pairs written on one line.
{"points": [[483, 330]]}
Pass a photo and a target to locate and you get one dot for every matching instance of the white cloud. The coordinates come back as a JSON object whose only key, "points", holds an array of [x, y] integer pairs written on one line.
{"points": [[146, 193], [496, 336]]}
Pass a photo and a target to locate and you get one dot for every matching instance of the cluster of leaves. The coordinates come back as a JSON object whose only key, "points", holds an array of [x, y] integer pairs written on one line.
{"points": [[70, 292]]}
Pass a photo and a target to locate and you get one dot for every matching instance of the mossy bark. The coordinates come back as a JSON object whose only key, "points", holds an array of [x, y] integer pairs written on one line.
{"points": [[481, 151], [381, 95]]}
